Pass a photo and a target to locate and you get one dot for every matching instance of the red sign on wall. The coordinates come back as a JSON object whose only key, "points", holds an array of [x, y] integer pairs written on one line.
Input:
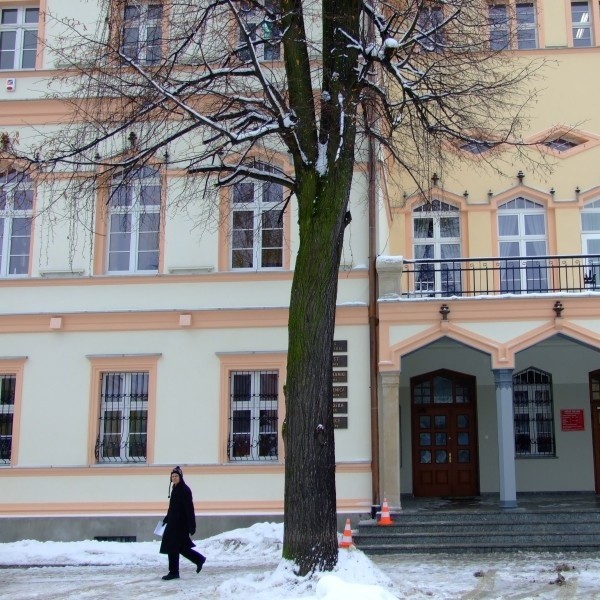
{"points": [[572, 419]]}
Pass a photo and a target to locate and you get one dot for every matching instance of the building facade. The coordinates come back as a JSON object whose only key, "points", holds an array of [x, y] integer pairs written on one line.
{"points": [[132, 339]]}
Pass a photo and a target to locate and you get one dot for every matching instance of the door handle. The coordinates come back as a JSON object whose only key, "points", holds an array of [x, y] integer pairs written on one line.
{"points": [[450, 457]]}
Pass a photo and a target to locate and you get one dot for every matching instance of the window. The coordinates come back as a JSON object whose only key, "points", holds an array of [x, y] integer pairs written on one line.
{"points": [[522, 235], [16, 208], [261, 27], [436, 235], [123, 427], [257, 224], [581, 24], [516, 22], [533, 413], [18, 37], [7, 407], [590, 227], [253, 418], [526, 26], [499, 27], [141, 37], [476, 147], [134, 222], [430, 22]]}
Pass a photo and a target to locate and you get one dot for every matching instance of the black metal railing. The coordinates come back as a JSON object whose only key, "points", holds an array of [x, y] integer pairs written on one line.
{"points": [[430, 278]]}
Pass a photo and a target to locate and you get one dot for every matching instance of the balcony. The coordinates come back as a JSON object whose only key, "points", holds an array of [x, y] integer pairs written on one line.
{"points": [[469, 277]]}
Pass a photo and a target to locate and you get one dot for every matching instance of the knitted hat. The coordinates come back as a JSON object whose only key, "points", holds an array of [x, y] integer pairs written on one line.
{"points": [[179, 472]]}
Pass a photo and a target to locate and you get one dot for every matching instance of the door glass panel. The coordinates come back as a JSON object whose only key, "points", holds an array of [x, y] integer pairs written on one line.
{"points": [[440, 421], [425, 439], [424, 421], [462, 421], [463, 439], [442, 390], [441, 457], [464, 456], [425, 457], [441, 439]]}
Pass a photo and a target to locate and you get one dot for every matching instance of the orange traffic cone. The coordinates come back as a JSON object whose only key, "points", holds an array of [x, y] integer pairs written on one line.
{"points": [[385, 518], [347, 536]]}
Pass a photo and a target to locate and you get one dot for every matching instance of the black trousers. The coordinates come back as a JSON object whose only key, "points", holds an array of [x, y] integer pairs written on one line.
{"points": [[190, 554]]}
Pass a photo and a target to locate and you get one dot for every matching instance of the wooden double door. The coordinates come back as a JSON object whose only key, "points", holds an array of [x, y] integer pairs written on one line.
{"points": [[444, 434]]}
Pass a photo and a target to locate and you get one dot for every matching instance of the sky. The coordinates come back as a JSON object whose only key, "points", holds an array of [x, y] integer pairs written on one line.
{"points": [[246, 564]]}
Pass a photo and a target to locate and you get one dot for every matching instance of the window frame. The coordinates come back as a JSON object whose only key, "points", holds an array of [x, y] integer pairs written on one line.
{"points": [[514, 26], [259, 206], [9, 214], [251, 362], [252, 25], [13, 367], [20, 28], [531, 427], [580, 25], [121, 364], [143, 25]]}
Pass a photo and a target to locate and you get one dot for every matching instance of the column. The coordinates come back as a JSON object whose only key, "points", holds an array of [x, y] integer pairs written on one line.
{"points": [[506, 437], [389, 463]]}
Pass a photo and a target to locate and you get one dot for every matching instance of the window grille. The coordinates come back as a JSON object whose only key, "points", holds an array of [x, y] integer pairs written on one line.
{"points": [[123, 423], [7, 405], [253, 416], [533, 413]]}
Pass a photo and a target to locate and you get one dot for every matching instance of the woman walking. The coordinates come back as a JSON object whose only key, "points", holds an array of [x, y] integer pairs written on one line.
{"points": [[180, 525]]}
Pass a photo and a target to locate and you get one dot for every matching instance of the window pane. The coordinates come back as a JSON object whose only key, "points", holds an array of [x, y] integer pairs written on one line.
{"points": [[271, 258], [508, 225], [243, 193], [32, 15], [423, 228], [7, 49], [535, 225], [449, 227], [9, 16], [242, 259]]}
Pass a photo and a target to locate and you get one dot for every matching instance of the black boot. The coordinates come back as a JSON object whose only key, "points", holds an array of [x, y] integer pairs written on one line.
{"points": [[200, 563], [170, 576]]}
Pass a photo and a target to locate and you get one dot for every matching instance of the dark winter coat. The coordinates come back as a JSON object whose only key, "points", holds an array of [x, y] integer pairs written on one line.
{"points": [[180, 521]]}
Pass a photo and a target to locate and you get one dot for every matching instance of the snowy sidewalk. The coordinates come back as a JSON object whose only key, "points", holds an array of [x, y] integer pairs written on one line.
{"points": [[244, 564]]}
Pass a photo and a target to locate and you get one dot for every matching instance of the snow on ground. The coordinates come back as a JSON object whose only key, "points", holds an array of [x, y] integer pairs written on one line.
{"points": [[246, 564]]}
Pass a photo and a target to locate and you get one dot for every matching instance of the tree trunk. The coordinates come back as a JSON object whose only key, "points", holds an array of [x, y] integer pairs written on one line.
{"points": [[310, 531]]}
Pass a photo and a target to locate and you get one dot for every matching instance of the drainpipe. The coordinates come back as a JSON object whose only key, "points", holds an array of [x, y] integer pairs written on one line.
{"points": [[373, 321]]}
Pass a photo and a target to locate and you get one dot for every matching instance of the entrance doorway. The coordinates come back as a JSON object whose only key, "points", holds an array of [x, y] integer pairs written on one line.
{"points": [[444, 434], [595, 412]]}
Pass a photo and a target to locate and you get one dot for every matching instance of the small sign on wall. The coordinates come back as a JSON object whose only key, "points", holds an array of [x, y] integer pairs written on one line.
{"points": [[572, 419]]}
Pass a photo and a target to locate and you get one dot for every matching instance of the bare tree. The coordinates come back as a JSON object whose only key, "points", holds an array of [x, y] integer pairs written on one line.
{"points": [[213, 82]]}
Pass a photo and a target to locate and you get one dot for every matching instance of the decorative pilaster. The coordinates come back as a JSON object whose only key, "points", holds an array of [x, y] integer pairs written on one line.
{"points": [[390, 439]]}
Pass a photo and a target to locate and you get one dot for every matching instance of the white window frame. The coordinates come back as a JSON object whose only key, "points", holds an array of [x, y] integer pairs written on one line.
{"points": [[253, 434], [590, 236], [525, 26], [22, 29], [499, 26], [260, 28], [7, 410], [255, 216], [522, 209], [15, 222], [582, 28], [128, 208], [119, 395], [444, 273], [144, 24]]}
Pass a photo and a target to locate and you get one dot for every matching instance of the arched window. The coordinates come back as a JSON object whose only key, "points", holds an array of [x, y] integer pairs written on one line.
{"points": [[533, 413], [16, 209], [522, 236], [436, 238]]}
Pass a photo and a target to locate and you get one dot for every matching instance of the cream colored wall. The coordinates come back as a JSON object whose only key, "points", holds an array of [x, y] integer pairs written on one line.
{"points": [[552, 18]]}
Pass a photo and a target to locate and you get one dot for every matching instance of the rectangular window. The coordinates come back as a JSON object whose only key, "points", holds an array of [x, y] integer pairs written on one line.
{"points": [[123, 426], [7, 407], [18, 37], [134, 222], [253, 415], [261, 29], [16, 210], [499, 26], [526, 26], [581, 23], [257, 224], [430, 26], [141, 36]]}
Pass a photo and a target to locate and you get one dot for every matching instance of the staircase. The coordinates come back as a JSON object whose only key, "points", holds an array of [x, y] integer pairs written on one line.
{"points": [[564, 527]]}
